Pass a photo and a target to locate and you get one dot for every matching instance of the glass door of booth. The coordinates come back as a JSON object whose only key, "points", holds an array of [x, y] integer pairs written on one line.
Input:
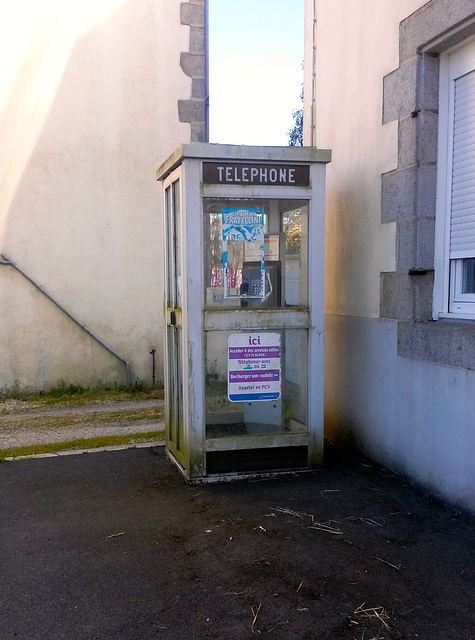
{"points": [[256, 333], [174, 325]]}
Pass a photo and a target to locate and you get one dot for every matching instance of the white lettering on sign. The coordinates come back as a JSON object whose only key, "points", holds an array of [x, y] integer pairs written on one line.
{"points": [[241, 218], [255, 174], [254, 366]]}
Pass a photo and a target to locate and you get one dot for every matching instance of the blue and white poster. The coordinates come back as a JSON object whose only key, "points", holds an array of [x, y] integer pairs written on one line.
{"points": [[241, 228]]}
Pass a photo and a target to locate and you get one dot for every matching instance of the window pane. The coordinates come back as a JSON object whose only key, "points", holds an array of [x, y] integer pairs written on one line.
{"points": [[261, 262], [230, 408], [169, 241], [468, 277], [177, 240]]}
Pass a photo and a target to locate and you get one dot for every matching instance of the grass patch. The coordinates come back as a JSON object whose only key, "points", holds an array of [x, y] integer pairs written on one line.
{"points": [[26, 421], [82, 443], [76, 395]]}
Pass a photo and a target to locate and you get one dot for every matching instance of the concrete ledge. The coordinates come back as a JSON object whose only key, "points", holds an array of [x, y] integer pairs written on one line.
{"points": [[398, 194], [193, 64], [198, 88], [191, 111], [198, 132], [197, 39], [399, 91], [427, 97], [415, 244], [411, 88], [192, 14], [230, 152], [436, 26], [74, 452], [405, 296], [409, 192], [417, 139], [447, 342]]}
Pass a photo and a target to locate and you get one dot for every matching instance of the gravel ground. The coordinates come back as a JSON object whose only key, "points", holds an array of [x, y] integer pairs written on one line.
{"points": [[24, 423]]}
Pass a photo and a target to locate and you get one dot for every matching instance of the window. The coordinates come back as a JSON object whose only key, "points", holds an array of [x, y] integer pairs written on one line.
{"points": [[455, 231], [257, 253]]}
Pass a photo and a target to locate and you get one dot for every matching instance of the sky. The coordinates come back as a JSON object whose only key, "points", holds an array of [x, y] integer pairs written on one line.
{"points": [[255, 69]]}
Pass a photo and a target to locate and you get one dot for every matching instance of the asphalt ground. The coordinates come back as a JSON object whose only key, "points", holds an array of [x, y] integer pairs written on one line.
{"points": [[115, 545]]}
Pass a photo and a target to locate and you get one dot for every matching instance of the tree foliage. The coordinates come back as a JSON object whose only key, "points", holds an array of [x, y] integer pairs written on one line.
{"points": [[295, 134]]}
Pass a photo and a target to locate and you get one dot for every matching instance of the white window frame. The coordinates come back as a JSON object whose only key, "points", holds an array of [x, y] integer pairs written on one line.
{"points": [[449, 301]]}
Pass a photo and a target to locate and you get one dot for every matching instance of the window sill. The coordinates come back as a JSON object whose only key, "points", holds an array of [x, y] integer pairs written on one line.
{"points": [[456, 316]]}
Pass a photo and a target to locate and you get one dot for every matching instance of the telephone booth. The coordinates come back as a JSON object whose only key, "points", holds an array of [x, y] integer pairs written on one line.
{"points": [[244, 254]]}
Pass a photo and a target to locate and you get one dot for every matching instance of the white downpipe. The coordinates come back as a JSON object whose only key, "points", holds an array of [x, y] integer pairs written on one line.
{"points": [[313, 110]]}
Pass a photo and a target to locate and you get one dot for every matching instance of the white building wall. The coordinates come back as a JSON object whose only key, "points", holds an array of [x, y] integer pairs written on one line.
{"points": [[414, 416], [357, 44], [85, 214]]}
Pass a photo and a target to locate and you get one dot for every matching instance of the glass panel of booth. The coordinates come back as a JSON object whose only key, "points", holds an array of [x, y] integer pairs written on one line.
{"points": [[175, 388], [177, 240], [173, 239], [256, 382], [256, 257], [174, 333], [168, 240], [256, 253]]}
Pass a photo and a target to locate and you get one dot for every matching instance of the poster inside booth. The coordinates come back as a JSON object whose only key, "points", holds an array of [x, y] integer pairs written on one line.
{"points": [[254, 366], [243, 235]]}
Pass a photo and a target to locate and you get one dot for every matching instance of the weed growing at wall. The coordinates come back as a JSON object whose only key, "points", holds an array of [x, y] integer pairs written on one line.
{"points": [[62, 392], [16, 392]]}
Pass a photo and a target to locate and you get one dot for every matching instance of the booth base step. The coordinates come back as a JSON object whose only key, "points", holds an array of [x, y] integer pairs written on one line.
{"points": [[256, 460]]}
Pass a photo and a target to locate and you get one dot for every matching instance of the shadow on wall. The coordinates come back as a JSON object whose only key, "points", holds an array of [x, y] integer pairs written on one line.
{"points": [[346, 277]]}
